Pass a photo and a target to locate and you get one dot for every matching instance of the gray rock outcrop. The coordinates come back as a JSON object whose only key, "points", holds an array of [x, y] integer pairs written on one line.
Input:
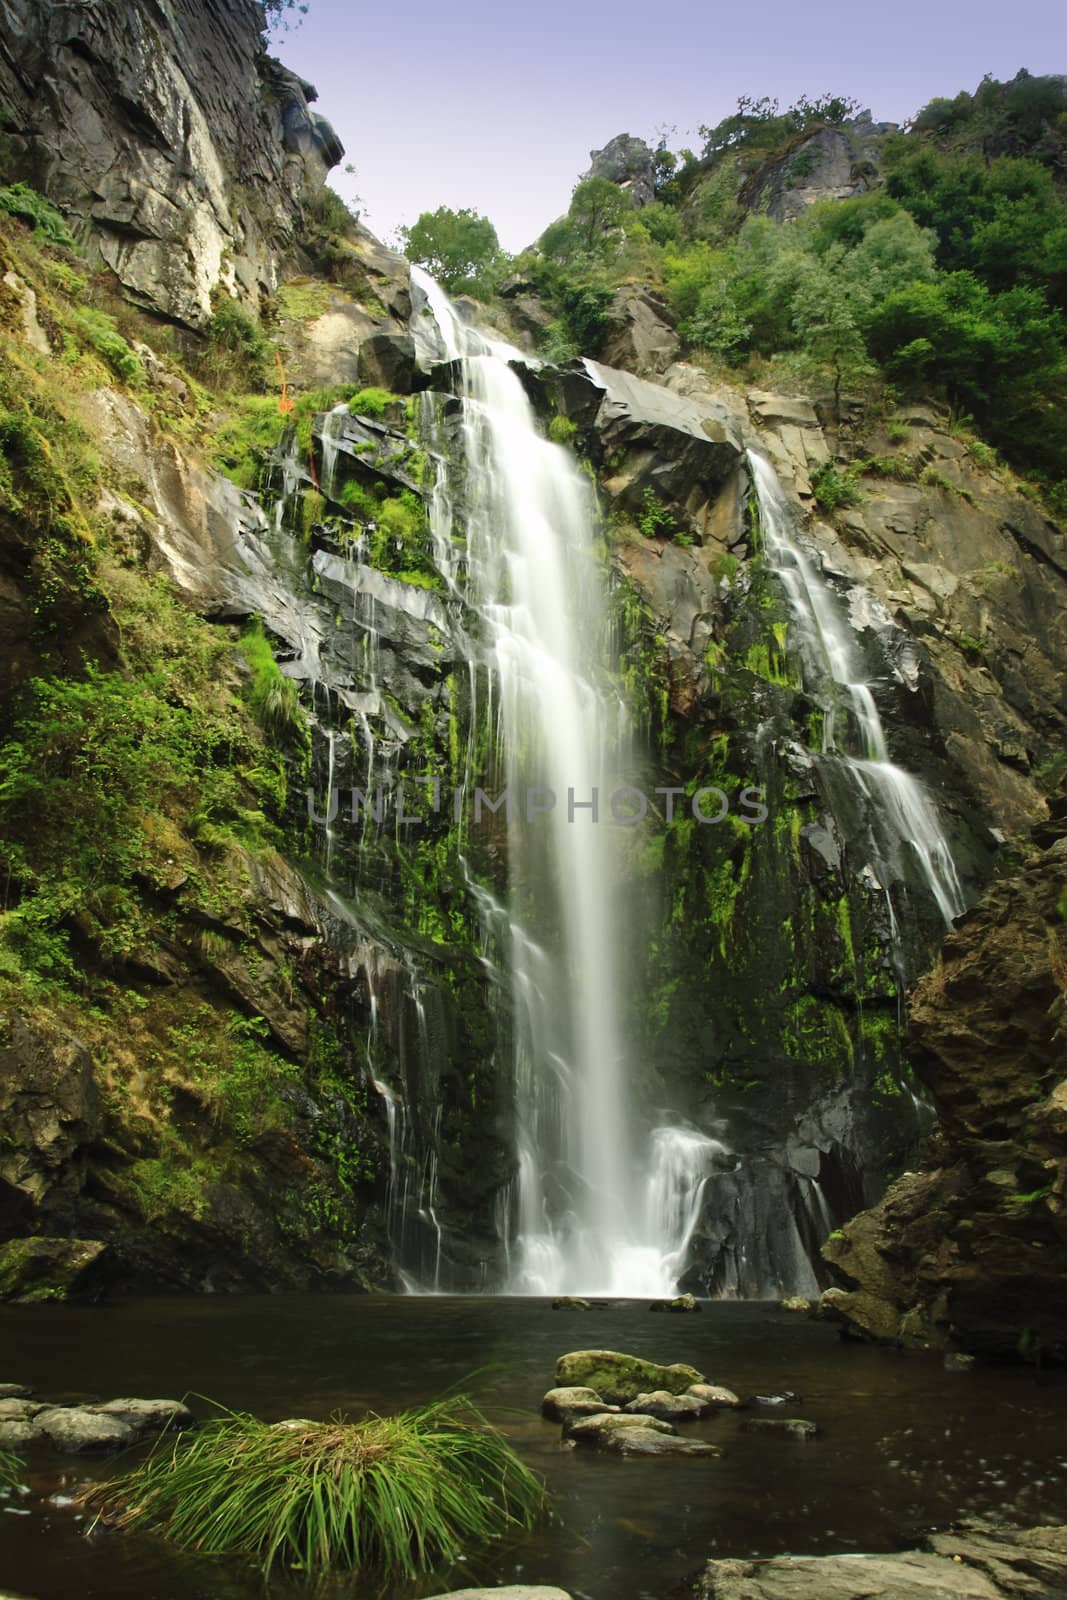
{"points": [[181, 153]]}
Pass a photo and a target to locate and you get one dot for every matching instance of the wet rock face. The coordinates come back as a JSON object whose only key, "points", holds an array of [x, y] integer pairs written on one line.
{"points": [[136, 119], [974, 1250]]}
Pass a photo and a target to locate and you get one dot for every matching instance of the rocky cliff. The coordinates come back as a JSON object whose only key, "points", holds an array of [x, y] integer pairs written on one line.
{"points": [[183, 155], [260, 1047], [969, 1250]]}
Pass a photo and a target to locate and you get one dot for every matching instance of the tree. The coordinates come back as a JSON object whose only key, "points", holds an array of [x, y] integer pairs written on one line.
{"points": [[460, 248], [825, 321], [597, 208]]}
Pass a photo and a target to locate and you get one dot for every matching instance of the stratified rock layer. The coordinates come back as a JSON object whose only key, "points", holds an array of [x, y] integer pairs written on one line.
{"points": [[974, 1250]]}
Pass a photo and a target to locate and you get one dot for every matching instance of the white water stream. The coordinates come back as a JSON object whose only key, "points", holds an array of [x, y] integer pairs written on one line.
{"points": [[906, 818], [600, 1206]]}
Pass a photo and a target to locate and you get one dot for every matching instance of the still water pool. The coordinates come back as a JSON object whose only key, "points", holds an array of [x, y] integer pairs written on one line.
{"points": [[904, 1444]]}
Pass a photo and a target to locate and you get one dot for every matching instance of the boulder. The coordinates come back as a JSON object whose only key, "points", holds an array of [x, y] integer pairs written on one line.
{"points": [[387, 361], [975, 1561], [74, 1429], [642, 1442], [568, 1302], [561, 1405], [50, 1269], [14, 1391], [713, 1397], [593, 1430], [507, 1591], [669, 1407], [640, 334], [681, 1302], [619, 1378], [146, 1416]]}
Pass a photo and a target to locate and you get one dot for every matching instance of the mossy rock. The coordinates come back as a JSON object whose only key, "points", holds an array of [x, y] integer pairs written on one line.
{"points": [[48, 1269], [619, 1378]]}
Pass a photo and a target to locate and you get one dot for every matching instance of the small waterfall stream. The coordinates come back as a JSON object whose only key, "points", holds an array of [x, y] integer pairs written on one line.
{"points": [[597, 1207], [906, 829]]}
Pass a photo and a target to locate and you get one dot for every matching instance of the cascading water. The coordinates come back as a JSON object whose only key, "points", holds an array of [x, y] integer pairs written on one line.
{"points": [[905, 822], [593, 1212]]}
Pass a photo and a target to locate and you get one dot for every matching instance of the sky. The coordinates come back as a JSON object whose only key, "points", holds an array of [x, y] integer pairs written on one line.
{"points": [[496, 106]]}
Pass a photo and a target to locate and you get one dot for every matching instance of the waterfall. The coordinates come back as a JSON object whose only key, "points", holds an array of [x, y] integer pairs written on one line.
{"points": [[906, 826], [594, 1212]]}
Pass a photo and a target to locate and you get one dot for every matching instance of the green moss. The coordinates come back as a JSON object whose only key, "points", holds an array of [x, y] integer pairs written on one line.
{"points": [[274, 698], [561, 430], [19, 200], [373, 402], [302, 299], [100, 332]]}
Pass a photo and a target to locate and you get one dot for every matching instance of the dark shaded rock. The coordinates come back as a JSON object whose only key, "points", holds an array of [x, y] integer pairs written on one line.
{"points": [[641, 1442], [619, 1378], [974, 1250], [14, 1391], [50, 1269], [387, 361], [50, 1111]]}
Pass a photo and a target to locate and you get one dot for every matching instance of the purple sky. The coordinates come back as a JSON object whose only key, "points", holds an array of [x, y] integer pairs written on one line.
{"points": [[495, 105]]}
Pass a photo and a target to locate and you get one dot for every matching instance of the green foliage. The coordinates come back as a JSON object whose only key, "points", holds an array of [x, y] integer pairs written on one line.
{"points": [[236, 357], [655, 518], [247, 431], [302, 300], [372, 402], [100, 332], [597, 207], [274, 698], [834, 489], [19, 200], [233, 1074], [460, 249], [561, 430], [389, 1496], [758, 123]]}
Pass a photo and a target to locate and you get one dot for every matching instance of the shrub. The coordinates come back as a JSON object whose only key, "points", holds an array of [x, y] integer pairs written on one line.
{"points": [[237, 355], [100, 331], [561, 430], [394, 1496], [274, 698], [372, 402], [19, 200], [834, 489]]}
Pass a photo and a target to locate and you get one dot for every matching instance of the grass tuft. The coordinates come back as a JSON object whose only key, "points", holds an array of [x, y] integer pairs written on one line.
{"points": [[10, 1471], [391, 1495]]}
